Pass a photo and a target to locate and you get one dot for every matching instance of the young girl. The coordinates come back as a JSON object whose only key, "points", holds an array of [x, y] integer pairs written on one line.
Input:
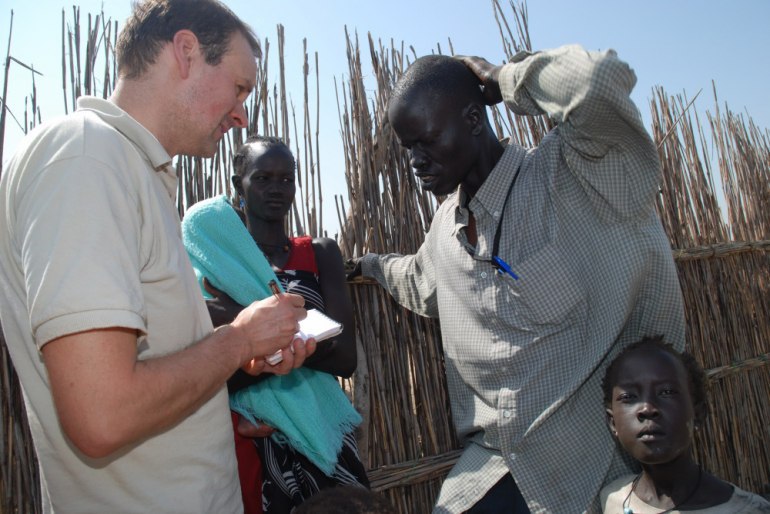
{"points": [[656, 401]]}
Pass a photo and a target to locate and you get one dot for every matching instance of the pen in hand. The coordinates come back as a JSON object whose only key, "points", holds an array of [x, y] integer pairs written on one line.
{"points": [[273, 285], [277, 356]]}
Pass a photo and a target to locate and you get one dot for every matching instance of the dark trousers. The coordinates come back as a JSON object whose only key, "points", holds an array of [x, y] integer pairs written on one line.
{"points": [[503, 498]]}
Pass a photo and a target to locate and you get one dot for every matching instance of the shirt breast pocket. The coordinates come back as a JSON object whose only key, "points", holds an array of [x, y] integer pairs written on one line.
{"points": [[547, 295]]}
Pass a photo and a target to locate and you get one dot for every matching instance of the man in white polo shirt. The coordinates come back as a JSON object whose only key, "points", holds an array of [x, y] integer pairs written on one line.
{"points": [[122, 373]]}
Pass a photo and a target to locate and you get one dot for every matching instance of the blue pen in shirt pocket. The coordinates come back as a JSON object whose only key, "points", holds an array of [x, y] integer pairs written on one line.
{"points": [[502, 267]]}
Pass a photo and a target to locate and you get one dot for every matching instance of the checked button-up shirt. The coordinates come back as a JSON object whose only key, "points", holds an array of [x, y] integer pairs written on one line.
{"points": [[525, 357]]}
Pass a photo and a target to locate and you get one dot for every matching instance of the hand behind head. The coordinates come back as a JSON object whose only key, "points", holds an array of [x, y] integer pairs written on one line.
{"points": [[489, 77]]}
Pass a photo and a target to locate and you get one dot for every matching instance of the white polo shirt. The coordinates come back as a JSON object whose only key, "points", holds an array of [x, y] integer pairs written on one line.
{"points": [[92, 240]]}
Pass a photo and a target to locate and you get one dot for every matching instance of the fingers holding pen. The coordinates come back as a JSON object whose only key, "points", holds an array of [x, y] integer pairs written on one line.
{"points": [[269, 325]]}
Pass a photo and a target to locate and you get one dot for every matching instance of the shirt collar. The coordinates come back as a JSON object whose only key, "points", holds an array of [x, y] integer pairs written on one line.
{"points": [[136, 133], [493, 192]]}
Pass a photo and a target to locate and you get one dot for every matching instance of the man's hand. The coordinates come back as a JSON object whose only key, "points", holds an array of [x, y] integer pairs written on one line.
{"points": [[291, 359], [488, 74], [353, 268], [222, 309], [268, 326], [105, 398]]}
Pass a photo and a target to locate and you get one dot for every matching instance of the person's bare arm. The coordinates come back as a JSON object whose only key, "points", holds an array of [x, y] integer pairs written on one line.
{"points": [[339, 356], [105, 398]]}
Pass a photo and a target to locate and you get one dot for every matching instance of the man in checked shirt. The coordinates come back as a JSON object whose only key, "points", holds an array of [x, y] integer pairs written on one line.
{"points": [[542, 265]]}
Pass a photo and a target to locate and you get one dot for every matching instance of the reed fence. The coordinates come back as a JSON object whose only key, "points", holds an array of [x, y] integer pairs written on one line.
{"points": [[407, 439]]}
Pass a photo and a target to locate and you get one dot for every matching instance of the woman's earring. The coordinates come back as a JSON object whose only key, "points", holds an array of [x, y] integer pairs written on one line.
{"points": [[241, 203]]}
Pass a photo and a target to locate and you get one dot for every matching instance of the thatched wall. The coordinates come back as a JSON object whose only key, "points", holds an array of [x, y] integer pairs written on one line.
{"points": [[407, 439]]}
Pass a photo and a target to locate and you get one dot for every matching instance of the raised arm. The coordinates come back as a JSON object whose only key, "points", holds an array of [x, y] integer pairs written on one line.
{"points": [[588, 94], [579, 88]]}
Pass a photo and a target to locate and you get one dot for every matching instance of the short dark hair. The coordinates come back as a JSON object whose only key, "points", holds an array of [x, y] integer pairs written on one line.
{"points": [[441, 76], [347, 499], [241, 156], [696, 377], [153, 23]]}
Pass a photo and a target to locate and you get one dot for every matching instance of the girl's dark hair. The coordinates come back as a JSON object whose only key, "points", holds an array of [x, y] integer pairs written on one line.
{"points": [[241, 156], [696, 377]]}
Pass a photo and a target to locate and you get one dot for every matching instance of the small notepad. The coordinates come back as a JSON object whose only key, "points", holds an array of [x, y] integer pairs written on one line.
{"points": [[319, 326], [316, 325]]}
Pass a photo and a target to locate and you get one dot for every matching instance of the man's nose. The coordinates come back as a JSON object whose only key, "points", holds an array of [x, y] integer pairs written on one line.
{"points": [[239, 117], [418, 159]]}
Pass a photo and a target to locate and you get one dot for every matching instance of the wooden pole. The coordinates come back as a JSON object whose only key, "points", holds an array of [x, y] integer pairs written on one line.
{"points": [[5, 92]]}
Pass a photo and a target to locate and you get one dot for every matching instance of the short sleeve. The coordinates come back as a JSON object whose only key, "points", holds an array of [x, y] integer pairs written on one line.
{"points": [[78, 229]]}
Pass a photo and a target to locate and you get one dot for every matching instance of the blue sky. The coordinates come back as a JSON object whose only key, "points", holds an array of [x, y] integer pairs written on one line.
{"points": [[678, 45]]}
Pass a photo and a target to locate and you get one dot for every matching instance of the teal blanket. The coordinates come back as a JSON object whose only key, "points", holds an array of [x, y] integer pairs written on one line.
{"points": [[308, 408]]}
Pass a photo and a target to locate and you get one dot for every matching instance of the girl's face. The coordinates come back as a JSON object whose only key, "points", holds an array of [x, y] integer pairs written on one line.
{"points": [[652, 412], [267, 187]]}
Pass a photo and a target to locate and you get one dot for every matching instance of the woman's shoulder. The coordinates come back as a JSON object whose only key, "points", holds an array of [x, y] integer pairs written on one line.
{"points": [[324, 242], [326, 248]]}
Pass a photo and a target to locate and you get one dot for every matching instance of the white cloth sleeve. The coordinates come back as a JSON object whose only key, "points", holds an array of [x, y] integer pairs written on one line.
{"points": [[79, 233]]}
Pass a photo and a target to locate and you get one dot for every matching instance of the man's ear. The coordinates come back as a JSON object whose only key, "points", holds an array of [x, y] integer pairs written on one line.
{"points": [[701, 413], [237, 181], [611, 421], [474, 115], [186, 49]]}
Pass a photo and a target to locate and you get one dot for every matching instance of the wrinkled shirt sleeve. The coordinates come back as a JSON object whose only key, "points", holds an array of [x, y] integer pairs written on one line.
{"points": [[410, 279], [603, 140]]}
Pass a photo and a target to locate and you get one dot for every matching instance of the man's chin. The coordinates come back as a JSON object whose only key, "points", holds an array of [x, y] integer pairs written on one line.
{"points": [[439, 190], [204, 151]]}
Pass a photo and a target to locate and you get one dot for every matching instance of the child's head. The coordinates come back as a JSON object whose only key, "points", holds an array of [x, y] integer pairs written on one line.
{"points": [[655, 399], [345, 500]]}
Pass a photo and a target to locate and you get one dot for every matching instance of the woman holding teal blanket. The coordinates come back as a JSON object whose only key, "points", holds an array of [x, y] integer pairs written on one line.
{"points": [[292, 468]]}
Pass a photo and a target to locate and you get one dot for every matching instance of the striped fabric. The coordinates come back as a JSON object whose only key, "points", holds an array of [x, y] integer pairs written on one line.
{"points": [[525, 357]]}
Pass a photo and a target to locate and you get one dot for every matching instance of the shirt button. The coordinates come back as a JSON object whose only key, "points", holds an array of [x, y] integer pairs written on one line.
{"points": [[497, 214], [503, 369], [507, 414], [483, 274], [513, 456]]}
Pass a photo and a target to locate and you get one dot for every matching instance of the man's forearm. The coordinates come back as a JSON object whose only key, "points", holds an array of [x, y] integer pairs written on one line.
{"points": [[409, 279], [117, 402], [105, 398]]}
